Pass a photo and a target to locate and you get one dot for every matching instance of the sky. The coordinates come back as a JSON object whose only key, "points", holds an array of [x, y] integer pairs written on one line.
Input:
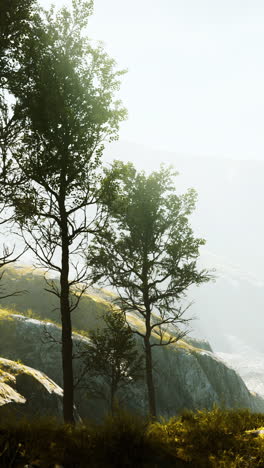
{"points": [[194, 88], [195, 72]]}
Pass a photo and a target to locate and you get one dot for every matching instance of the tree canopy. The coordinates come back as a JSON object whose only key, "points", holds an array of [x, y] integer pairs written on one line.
{"points": [[65, 107], [112, 360], [149, 253]]}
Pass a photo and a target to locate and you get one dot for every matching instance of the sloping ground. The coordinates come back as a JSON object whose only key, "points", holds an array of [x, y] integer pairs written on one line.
{"points": [[215, 439], [185, 376], [27, 392], [35, 302]]}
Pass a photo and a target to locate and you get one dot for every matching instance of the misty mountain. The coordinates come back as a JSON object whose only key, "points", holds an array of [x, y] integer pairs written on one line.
{"points": [[248, 362], [231, 305]]}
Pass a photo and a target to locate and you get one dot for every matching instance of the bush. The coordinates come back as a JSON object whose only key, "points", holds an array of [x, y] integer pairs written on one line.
{"points": [[202, 439], [214, 438]]}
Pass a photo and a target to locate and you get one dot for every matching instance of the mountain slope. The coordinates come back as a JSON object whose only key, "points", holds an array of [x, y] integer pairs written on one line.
{"points": [[185, 376]]}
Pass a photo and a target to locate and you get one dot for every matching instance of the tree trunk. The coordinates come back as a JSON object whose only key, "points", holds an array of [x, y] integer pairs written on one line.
{"points": [[67, 367], [149, 376], [148, 349], [112, 402]]}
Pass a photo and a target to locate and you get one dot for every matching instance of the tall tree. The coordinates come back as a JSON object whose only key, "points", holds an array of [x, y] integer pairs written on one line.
{"points": [[148, 252], [66, 106], [15, 19], [15, 22]]}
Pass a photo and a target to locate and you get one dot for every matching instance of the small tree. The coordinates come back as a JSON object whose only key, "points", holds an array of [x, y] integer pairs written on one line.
{"points": [[112, 360], [149, 254]]}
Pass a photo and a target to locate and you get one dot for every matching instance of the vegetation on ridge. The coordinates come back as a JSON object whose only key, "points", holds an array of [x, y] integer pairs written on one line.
{"points": [[36, 303]]}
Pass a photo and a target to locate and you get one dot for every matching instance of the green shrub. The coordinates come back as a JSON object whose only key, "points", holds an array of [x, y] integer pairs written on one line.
{"points": [[213, 439]]}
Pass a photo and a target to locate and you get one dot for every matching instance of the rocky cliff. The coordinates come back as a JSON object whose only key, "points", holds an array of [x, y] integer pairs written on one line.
{"points": [[186, 376]]}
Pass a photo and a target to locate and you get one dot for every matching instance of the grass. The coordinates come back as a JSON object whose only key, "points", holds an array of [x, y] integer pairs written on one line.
{"points": [[10, 314], [40, 305], [7, 314], [217, 438]]}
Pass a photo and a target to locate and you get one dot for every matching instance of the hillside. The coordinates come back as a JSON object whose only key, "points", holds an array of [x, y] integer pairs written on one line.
{"points": [[36, 302], [187, 375]]}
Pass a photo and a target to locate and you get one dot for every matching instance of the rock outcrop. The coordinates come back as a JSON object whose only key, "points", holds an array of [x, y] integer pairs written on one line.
{"points": [[186, 376], [27, 393], [201, 344], [195, 378]]}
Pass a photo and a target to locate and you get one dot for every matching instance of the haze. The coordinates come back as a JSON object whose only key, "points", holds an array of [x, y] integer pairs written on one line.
{"points": [[195, 72], [194, 94]]}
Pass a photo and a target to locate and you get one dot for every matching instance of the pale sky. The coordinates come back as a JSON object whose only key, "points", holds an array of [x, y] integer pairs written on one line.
{"points": [[195, 87], [195, 72]]}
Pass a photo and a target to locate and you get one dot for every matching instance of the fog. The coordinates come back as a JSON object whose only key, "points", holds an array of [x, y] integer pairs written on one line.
{"points": [[195, 72], [194, 94], [229, 216]]}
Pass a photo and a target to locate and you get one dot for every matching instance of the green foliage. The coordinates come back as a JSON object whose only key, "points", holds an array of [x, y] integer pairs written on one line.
{"points": [[66, 105], [113, 357], [14, 26], [15, 19], [201, 440], [121, 441], [214, 438], [147, 251]]}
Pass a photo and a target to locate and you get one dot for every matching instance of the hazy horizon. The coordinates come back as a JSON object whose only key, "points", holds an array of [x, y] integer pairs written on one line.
{"points": [[195, 73]]}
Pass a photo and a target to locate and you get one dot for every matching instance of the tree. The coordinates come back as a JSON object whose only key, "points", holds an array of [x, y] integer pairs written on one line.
{"points": [[15, 20], [112, 360], [14, 27], [148, 252], [66, 106]]}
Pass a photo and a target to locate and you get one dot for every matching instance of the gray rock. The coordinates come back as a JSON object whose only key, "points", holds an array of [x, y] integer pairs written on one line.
{"points": [[27, 393], [191, 379], [196, 343], [185, 376]]}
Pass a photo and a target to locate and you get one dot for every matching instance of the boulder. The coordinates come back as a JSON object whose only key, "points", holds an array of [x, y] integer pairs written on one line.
{"points": [[28, 393]]}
